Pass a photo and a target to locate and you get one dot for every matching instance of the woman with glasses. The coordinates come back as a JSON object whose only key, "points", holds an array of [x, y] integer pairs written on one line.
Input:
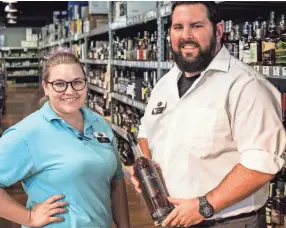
{"points": [[65, 156]]}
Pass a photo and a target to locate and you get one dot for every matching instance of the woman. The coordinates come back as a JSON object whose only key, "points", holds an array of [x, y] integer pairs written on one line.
{"points": [[65, 156]]}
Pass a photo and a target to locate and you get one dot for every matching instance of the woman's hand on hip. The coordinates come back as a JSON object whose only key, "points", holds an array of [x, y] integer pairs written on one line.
{"points": [[44, 213]]}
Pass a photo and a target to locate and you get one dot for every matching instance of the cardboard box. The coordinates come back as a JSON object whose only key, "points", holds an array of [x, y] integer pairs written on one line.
{"points": [[135, 8], [96, 21], [98, 7]]}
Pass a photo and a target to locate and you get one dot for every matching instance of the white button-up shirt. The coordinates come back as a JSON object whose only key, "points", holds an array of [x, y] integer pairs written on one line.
{"points": [[231, 114]]}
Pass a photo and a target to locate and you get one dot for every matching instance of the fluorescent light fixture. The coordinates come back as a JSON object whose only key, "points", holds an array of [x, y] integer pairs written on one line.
{"points": [[11, 16], [10, 8], [9, 1], [12, 21]]}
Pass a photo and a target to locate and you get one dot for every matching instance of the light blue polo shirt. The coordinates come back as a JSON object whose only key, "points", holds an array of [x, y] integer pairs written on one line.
{"points": [[47, 155]]}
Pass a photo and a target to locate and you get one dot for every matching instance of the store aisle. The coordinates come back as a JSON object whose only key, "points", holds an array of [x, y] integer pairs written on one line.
{"points": [[23, 101]]}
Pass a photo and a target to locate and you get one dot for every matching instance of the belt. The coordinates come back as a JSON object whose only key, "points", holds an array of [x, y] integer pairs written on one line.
{"points": [[213, 222]]}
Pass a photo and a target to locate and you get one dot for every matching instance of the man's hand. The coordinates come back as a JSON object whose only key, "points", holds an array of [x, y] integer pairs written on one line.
{"points": [[43, 213], [185, 214], [134, 179]]}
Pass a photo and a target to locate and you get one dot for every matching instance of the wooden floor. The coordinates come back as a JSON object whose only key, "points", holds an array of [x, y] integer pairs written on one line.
{"points": [[23, 101]]}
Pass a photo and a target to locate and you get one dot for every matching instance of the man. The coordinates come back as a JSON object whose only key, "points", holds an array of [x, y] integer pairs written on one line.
{"points": [[213, 125]]}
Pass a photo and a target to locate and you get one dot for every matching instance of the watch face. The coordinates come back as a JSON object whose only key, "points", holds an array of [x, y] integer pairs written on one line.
{"points": [[207, 211]]}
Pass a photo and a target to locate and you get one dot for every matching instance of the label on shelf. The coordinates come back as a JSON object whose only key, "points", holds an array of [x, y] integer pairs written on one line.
{"points": [[276, 71], [256, 68], [283, 71], [265, 70], [76, 37]]}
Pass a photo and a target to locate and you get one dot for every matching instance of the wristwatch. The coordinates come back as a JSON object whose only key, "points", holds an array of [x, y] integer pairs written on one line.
{"points": [[206, 210]]}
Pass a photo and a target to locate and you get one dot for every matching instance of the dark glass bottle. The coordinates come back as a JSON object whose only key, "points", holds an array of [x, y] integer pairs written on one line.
{"points": [[268, 204], [268, 44], [153, 189], [277, 209]]}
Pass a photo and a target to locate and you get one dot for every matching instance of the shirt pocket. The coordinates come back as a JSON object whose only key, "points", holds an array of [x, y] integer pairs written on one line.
{"points": [[200, 129]]}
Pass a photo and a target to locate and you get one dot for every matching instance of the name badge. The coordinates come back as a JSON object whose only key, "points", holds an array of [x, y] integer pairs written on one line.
{"points": [[161, 106], [101, 137]]}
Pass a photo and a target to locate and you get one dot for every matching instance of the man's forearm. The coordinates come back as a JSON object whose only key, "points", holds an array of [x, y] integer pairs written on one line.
{"points": [[119, 204], [13, 211], [143, 142], [236, 186]]}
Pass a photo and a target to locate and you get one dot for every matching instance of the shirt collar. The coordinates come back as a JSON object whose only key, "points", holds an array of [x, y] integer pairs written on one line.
{"points": [[49, 114], [221, 61]]}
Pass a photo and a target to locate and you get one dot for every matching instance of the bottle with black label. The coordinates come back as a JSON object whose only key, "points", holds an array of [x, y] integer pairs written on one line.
{"points": [[153, 189]]}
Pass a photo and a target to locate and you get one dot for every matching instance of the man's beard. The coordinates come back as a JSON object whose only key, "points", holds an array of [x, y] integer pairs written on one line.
{"points": [[200, 62]]}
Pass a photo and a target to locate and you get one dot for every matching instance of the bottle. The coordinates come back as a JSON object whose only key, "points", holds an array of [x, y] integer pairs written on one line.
{"points": [[280, 47], [268, 205], [153, 189], [277, 209], [269, 41]]}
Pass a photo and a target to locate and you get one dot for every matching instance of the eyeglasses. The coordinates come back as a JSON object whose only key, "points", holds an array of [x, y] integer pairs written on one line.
{"points": [[60, 86]]}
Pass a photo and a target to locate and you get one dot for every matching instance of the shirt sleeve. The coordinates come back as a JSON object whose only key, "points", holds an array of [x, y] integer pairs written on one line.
{"points": [[15, 158], [256, 124]]}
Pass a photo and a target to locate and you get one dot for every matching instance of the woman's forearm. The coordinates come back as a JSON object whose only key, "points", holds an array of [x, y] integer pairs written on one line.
{"points": [[13, 211], [119, 204]]}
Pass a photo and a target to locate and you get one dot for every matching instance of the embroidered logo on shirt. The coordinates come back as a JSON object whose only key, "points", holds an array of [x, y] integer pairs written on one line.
{"points": [[101, 137], [161, 106]]}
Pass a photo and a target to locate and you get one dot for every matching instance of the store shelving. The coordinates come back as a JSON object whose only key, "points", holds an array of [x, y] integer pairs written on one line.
{"points": [[96, 88], [126, 100]]}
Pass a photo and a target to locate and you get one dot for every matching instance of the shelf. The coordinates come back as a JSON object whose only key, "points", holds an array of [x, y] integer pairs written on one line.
{"points": [[21, 58], [17, 48], [21, 76], [272, 71], [96, 61], [138, 64], [167, 65], [8, 67], [129, 101], [96, 88], [119, 131], [23, 85], [98, 31]]}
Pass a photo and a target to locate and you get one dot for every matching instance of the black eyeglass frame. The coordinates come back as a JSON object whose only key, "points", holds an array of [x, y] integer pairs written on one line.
{"points": [[67, 84]]}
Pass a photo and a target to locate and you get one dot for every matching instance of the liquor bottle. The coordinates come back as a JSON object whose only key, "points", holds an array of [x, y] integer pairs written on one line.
{"points": [[268, 43], [246, 47], [280, 47], [277, 209], [268, 205], [153, 189], [256, 48], [243, 40]]}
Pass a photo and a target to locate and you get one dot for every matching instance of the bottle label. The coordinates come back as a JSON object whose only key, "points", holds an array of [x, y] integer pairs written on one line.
{"points": [[155, 192], [276, 216], [253, 52], [246, 56], [268, 52], [280, 52], [268, 215]]}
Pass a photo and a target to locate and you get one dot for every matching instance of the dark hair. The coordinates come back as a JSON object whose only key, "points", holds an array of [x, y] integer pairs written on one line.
{"points": [[211, 9]]}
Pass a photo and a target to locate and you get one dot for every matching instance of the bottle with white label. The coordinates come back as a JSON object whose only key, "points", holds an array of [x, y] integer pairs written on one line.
{"points": [[152, 186]]}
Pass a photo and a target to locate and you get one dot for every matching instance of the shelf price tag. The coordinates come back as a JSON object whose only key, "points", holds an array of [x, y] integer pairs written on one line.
{"points": [[76, 37], [276, 71], [256, 68], [265, 70], [283, 71]]}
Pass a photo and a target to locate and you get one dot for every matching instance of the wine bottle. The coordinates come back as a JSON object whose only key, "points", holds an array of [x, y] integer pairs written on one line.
{"points": [[154, 192]]}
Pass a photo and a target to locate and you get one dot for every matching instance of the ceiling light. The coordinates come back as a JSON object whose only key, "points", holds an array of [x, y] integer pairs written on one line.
{"points": [[9, 1], [10, 8], [12, 21], [11, 16]]}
